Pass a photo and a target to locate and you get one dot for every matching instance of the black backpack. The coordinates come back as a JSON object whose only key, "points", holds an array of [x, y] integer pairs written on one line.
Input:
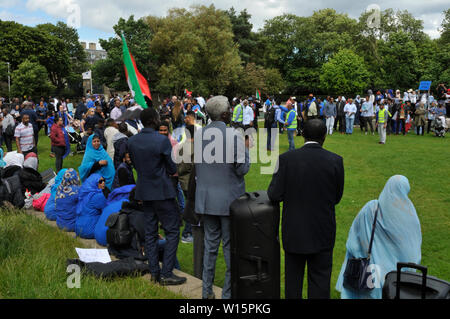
{"points": [[119, 232]]}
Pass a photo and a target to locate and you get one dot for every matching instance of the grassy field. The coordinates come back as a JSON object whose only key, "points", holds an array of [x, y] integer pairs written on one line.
{"points": [[424, 160]]}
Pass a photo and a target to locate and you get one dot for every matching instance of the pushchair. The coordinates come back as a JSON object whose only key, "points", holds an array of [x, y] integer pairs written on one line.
{"points": [[75, 138], [440, 126]]}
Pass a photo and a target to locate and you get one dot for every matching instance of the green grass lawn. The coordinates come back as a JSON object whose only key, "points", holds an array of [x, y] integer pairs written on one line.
{"points": [[424, 160], [33, 264]]}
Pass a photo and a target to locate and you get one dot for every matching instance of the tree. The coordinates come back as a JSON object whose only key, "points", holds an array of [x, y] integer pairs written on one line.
{"points": [[344, 73], [30, 79], [445, 28], [19, 43], [195, 50], [243, 35], [77, 55], [400, 63]]}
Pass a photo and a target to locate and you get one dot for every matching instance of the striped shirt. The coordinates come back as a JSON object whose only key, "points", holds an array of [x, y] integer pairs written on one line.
{"points": [[25, 135]]}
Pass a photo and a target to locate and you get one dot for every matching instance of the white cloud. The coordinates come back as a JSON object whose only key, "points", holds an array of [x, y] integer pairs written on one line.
{"points": [[103, 14]]}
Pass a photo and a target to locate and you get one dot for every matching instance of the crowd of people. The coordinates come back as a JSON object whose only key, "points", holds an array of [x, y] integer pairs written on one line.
{"points": [[118, 137]]}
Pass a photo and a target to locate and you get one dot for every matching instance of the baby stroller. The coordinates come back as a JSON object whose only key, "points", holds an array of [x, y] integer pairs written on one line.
{"points": [[75, 138], [440, 126]]}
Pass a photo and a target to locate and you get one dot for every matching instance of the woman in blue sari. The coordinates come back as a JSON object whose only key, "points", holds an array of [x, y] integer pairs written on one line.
{"points": [[91, 201], [397, 237], [49, 209], [97, 160], [67, 200]]}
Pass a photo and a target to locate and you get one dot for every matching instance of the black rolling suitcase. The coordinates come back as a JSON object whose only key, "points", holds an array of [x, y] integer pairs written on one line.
{"points": [[410, 285], [255, 247]]}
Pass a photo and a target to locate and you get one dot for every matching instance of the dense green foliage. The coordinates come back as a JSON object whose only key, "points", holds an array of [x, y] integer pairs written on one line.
{"points": [[55, 47], [212, 51]]}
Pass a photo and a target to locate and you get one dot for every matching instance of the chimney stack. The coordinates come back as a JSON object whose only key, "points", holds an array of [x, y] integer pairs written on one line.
{"points": [[83, 44], [92, 46]]}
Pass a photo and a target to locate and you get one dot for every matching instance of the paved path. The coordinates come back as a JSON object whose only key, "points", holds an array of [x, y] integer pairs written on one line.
{"points": [[192, 289]]}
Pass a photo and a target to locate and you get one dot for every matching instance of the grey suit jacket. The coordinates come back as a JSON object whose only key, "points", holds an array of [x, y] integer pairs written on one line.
{"points": [[219, 181]]}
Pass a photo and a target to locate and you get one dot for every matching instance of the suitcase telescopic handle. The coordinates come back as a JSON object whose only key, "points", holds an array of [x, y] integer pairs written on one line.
{"points": [[424, 271]]}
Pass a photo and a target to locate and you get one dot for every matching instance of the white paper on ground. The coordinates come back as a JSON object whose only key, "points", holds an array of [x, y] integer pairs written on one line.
{"points": [[93, 255]]}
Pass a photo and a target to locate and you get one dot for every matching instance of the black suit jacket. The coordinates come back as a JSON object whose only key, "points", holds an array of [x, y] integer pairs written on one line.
{"points": [[150, 154], [309, 182]]}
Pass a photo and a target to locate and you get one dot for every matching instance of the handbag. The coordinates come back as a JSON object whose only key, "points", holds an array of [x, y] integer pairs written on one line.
{"points": [[357, 274]]}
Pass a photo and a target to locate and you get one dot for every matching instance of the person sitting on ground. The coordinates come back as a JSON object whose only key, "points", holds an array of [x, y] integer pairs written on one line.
{"points": [[124, 173], [113, 205], [99, 130], [91, 201], [120, 143], [85, 137], [397, 236], [67, 200], [31, 160], [96, 160], [49, 209]]}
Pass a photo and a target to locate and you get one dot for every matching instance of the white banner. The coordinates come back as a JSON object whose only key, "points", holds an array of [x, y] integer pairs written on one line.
{"points": [[87, 75]]}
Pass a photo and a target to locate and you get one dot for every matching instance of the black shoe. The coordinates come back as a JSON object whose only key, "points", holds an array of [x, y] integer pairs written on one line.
{"points": [[155, 279], [173, 280]]}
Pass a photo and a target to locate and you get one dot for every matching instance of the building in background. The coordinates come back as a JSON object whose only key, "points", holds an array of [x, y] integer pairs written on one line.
{"points": [[93, 55]]}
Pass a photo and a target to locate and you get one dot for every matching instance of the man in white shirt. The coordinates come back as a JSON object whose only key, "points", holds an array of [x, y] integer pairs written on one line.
{"points": [[248, 115], [350, 111], [116, 112]]}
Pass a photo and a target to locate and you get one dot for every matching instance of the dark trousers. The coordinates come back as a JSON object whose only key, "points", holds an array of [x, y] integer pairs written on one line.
{"points": [[166, 212], [8, 141], [198, 233], [428, 126], [341, 122], [319, 274], [59, 153], [402, 123], [368, 122]]}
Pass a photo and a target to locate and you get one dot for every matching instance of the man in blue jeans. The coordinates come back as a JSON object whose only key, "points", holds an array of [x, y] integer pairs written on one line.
{"points": [[291, 124], [150, 154]]}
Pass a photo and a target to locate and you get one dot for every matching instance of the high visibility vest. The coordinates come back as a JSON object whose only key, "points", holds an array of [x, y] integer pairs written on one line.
{"points": [[293, 125], [381, 116], [241, 114]]}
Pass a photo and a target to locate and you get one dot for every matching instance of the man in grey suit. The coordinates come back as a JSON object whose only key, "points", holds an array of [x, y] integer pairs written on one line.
{"points": [[220, 180]]}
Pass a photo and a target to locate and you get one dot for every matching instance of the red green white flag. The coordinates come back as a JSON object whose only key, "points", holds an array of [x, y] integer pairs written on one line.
{"points": [[258, 95], [187, 93], [136, 81]]}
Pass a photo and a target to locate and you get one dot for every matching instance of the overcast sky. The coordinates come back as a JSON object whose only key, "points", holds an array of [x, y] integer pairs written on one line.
{"points": [[99, 16]]}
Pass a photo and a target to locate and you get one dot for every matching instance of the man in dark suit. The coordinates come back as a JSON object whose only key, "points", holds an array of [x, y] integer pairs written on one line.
{"points": [[309, 182], [150, 154]]}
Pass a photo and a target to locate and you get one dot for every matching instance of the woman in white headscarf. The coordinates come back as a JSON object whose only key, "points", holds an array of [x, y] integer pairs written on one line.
{"points": [[397, 236]]}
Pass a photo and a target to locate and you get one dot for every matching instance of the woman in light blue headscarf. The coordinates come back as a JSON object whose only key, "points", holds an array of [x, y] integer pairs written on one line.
{"points": [[97, 160], [397, 237]]}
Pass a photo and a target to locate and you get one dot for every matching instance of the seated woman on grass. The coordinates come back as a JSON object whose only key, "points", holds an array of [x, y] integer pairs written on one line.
{"points": [[67, 200], [96, 160], [49, 209], [397, 236], [91, 201]]}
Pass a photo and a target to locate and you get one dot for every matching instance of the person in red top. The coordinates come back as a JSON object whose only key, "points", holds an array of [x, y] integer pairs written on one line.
{"points": [[58, 142]]}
